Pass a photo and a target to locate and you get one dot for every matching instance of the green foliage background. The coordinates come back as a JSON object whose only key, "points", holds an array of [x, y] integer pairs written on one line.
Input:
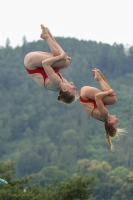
{"points": [[47, 138]]}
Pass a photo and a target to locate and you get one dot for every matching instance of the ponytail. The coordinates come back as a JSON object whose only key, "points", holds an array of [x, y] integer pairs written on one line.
{"points": [[110, 132], [109, 141], [113, 132]]}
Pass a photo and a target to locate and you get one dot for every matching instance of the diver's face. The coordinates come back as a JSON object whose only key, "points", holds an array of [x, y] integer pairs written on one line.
{"points": [[70, 87], [112, 119]]}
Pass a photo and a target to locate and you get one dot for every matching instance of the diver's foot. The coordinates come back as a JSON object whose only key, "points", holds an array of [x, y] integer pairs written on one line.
{"points": [[97, 76], [44, 35], [101, 74]]}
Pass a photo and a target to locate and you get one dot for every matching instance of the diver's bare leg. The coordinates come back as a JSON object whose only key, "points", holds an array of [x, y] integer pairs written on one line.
{"points": [[104, 85], [101, 75], [54, 47], [54, 39], [50, 61]]}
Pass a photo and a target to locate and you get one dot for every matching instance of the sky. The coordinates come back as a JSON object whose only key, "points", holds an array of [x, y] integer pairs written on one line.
{"points": [[106, 21]]}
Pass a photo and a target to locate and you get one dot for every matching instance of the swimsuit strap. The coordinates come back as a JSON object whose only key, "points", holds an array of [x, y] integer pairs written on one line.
{"points": [[59, 75]]}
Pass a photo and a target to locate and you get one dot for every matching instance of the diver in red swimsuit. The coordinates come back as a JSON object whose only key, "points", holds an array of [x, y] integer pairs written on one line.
{"points": [[94, 102], [90, 102], [44, 68]]}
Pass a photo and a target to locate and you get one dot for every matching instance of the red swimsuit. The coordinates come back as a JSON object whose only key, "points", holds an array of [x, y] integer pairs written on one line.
{"points": [[41, 71], [89, 101]]}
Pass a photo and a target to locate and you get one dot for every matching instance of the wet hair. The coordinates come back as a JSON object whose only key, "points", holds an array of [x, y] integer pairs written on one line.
{"points": [[112, 132], [65, 97]]}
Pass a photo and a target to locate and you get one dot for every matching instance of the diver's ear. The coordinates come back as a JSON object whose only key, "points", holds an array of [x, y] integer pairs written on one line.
{"points": [[63, 87]]}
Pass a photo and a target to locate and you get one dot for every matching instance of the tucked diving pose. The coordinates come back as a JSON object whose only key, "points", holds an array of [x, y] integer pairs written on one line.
{"points": [[94, 102], [44, 68]]}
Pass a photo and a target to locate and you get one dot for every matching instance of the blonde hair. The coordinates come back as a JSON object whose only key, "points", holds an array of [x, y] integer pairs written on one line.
{"points": [[112, 132], [65, 97]]}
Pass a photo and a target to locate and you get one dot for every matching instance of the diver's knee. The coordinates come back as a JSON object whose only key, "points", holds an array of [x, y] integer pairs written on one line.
{"points": [[114, 100]]}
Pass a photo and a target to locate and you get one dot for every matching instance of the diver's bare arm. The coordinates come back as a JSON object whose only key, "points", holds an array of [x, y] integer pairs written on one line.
{"points": [[49, 70], [99, 101]]}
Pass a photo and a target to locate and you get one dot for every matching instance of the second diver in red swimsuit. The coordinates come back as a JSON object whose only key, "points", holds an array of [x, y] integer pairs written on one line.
{"points": [[94, 102]]}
